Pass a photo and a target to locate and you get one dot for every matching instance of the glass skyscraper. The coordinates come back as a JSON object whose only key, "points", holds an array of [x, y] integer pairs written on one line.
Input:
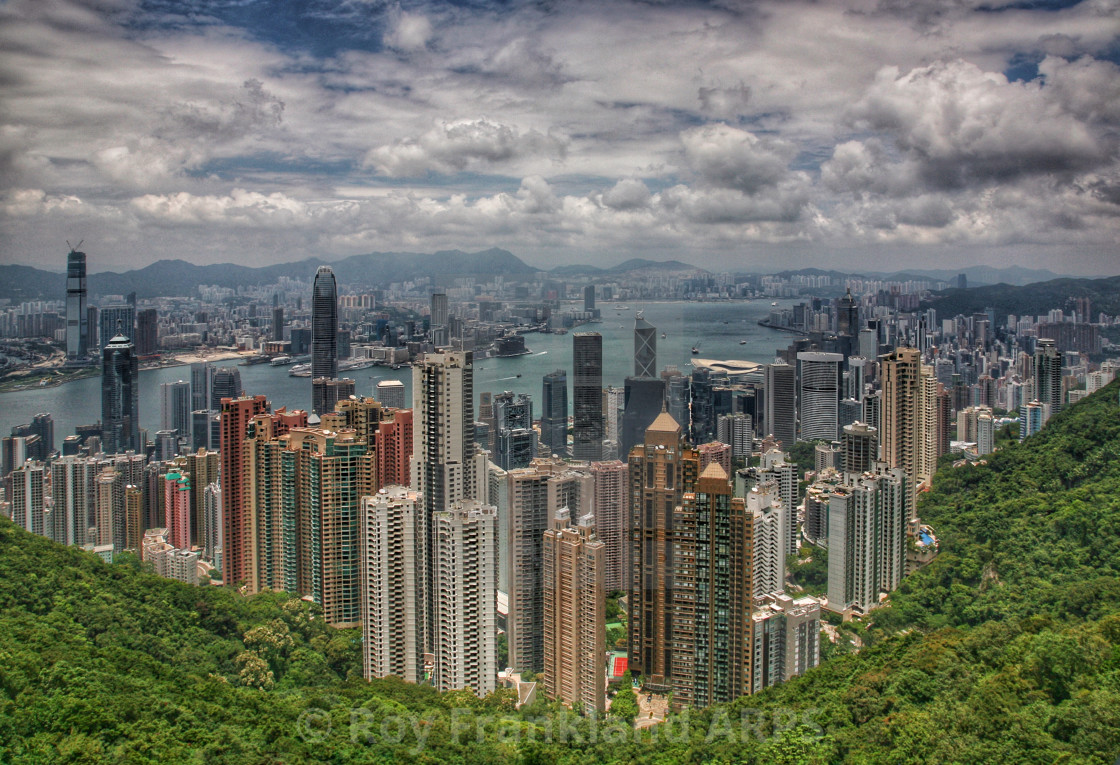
{"points": [[324, 328], [587, 395], [120, 386], [77, 318]]}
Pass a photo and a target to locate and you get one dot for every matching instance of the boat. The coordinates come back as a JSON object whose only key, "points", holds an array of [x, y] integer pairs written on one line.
{"points": [[279, 361], [742, 342], [662, 335], [300, 370], [774, 303], [696, 349]]}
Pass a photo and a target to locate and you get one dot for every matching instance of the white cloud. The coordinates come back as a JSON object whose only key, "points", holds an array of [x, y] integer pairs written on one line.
{"points": [[408, 31], [738, 159]]}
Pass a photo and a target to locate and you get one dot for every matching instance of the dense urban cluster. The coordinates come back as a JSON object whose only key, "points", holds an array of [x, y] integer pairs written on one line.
{"points": [[648, 535]]}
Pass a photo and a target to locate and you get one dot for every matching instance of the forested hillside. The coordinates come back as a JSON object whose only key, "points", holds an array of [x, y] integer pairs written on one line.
{"points": [[1006, 649]]}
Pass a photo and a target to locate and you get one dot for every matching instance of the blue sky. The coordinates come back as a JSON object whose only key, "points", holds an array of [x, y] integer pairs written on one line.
{"points": [[734, 135]]}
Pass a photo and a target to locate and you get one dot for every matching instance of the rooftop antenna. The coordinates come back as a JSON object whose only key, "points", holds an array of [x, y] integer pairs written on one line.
{"points": [[74, 248]]}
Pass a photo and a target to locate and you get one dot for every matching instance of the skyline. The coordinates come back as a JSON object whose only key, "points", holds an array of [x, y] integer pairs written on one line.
{"points": [[906, 135]]}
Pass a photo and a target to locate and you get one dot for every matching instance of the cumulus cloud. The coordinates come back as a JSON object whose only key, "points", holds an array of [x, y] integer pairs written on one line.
{"points": [[627, 194], [453, 146], [965, 125], [408, 32], [737, 159]]}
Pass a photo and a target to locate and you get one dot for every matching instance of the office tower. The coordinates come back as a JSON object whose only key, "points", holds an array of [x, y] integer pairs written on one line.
{"points": [[225, 382], [200, 385], [737, 432], [644, 401], [391, 394], [324, 333], [819, 394], [147, 332], [661, 470], [574, 612], [677, 394], [393, 446], [120, 389], [859, 371], [439, 310], [645, 347], [237, 530], [1048, 375], [849, 411], [611, 508], [516, 441], [175, 407], [133, 517], [715, 451], [781, 404], [702, 414], [900, 433], [109, 507], [785, 639], [177, 509], [587, 396], [167, 445], [393, 555], [212, 524], [29, 499], [869, 343], [116, 320], [867, 519], [712, 594], [278, 324], [77, 317], [202, 467], [589, 298], [443, 418], [326, 393], [464, 562], [1032, 416], [535, 494], [769, 530], [487, 435], [205, 429], [873, 410], [847, 315], [554, 414], [859, 444]]}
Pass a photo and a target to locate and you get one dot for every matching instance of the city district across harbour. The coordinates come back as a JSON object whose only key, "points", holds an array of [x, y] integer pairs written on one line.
{"points": [[716, 329]]}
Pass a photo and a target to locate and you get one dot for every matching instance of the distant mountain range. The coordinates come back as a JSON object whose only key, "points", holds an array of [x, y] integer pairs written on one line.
{"points": [[1032, 299]]}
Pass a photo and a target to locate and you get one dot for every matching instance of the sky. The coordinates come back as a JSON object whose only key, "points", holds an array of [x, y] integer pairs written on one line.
{"points": [[733, 135]]}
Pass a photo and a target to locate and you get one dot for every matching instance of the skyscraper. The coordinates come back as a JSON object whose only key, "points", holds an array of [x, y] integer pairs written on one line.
{"points": [[1048, 375], [847, 315], [644, 400], [200, 385], [225, 382], [278, 323], [574, 611], [899, 436], [645, 347], [237, 531], [116, 320], [554, 414], [516, 440], [324, 327], [781, 404], [77, 318], [612, 520], [860, 447], [120, 389], [147, 332], [819, 394], [391, 394], [175, 407], [661, 470], [587, 396]]}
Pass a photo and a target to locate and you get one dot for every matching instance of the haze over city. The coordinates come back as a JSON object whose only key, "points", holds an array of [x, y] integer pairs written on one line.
{"points": [[734, 135]]}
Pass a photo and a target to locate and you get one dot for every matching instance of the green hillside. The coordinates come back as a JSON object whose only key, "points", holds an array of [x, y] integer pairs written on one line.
{"points": [[1005, 650]]}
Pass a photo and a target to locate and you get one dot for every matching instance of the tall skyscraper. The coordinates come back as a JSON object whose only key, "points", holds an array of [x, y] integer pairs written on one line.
{"points": [[175, 407], [661, 470], [712, 597], [120, 390], [443, 419], [819, 394], [847, 315], [644, 401], [1048, 374], [225, 382], [200, 385], [645, 347], [516, 440], [574, 612], [611, 507], [237, 530], [324, 328], [781, 404], [900, 434], [116, 320], [29, 499], [439, 310], [587, 396], [278, 323], [147, 332], [77, 318], [554, 417], [769, 530], [860, 446], [177, 509], [589, 298], [393, 445], [391, 394]]}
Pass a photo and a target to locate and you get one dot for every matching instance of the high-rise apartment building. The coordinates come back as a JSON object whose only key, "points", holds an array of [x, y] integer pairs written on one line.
{"points": [[587, 396], [554, 414], [574, 612], [72, 485], [536, 493], [177, 509], [393, 445], [785, 639], [611, 507], [859, 445], [900, 437], [29, 498], [120, 390], [237, 531], [661, 470], [393, 557], [202, 467], [443, 419], [1048, 375], [77, 317], [711, 596], [324, 329], [326, 393], [769, 527]]}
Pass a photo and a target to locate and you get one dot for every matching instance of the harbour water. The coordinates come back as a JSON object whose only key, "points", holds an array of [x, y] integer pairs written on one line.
{"points": [[717, 330]]}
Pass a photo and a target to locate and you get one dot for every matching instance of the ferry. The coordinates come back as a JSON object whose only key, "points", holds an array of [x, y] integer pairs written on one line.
{"points": [[300, 370], [742, 342], [280, 361]]}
